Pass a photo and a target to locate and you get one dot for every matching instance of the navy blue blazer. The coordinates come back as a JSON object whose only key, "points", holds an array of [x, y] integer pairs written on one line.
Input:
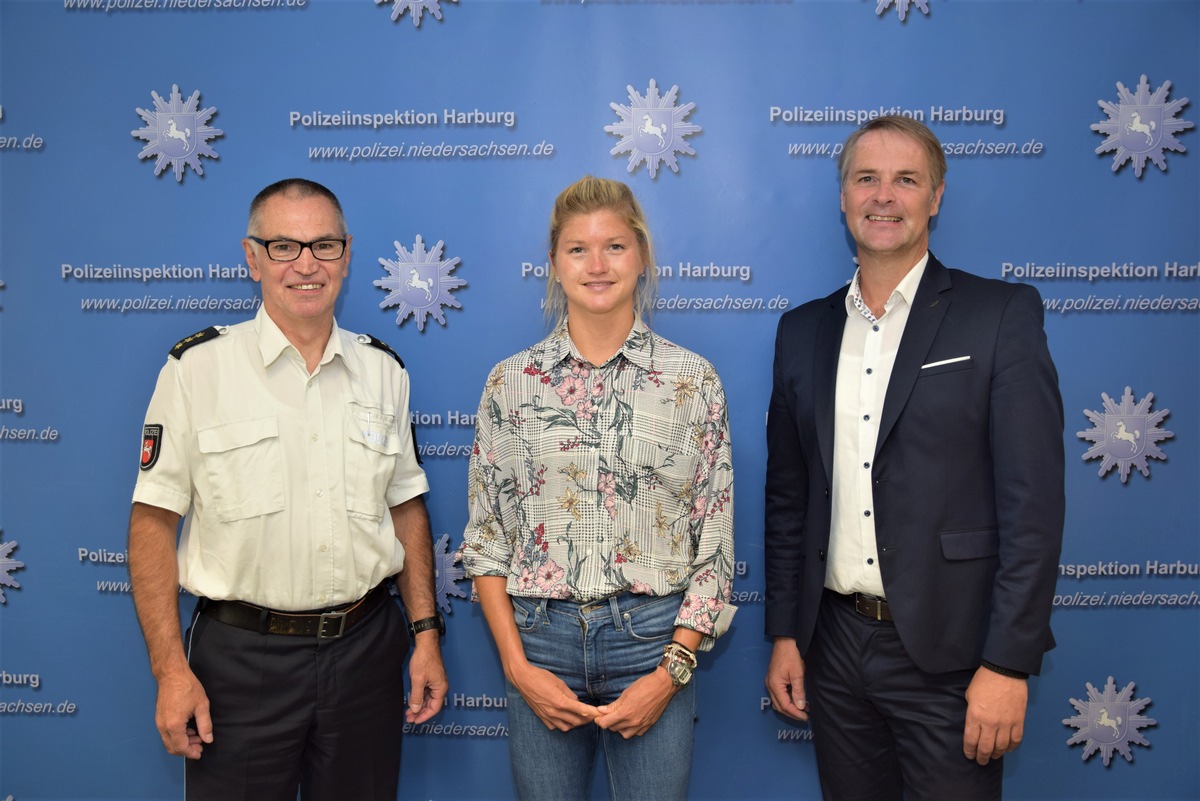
{"points": [[967, 476]]}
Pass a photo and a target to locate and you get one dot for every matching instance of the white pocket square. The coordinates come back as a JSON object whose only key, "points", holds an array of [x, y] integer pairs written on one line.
{"points": [[946, 361]]}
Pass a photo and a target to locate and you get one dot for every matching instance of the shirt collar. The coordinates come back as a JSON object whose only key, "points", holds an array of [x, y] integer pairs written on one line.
{"points": [[272, 342], [906, 290], [637, 348]]}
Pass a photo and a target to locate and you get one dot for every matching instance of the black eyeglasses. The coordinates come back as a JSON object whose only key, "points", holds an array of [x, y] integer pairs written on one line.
{"points": [[290, 250]]}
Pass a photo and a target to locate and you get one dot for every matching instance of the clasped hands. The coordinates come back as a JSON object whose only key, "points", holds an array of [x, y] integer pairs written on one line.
{"points": [[630, 715]]}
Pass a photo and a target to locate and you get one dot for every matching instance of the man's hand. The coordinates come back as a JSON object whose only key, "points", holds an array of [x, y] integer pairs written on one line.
{"points": [[639, 707], [551, 699], [155, 579], [426, 673], [427, 677], [995, 715], [785, 679], [182, 701]]}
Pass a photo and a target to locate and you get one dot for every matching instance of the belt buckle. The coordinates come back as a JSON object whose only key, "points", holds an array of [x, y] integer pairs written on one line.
{"points": [[336, 620], [868, 606]]}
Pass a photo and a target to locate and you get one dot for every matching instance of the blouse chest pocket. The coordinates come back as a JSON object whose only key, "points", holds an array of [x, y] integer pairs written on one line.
{"points": [[243, 460], [372, 450]]}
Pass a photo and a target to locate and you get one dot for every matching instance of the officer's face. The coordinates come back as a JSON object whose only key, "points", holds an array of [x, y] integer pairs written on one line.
{"points": [[303, 291]]}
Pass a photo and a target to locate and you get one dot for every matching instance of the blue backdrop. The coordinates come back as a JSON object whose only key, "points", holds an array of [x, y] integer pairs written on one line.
{"points": [[452, 125]]}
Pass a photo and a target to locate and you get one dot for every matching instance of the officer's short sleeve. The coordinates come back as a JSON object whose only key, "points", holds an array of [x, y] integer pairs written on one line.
{"points": [[164, 475]]}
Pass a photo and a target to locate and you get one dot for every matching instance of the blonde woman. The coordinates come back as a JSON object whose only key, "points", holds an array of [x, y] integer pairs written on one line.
{"points": [[600, 537]]}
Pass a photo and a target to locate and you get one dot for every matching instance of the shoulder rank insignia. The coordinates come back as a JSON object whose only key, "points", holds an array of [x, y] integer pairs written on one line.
{"points": [[367, 339], [212, 332]]}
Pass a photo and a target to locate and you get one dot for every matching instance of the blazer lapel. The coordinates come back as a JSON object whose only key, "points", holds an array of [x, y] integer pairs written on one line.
{"points": [[929, 308], [828, 345]]}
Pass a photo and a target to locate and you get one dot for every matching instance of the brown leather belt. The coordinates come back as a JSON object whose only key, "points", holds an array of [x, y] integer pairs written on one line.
{"points": [[323, 624], [866, 605]]}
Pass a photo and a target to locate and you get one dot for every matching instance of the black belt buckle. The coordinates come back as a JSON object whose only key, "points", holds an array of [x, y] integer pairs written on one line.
{"points": [[331, 625], [870, 606]]}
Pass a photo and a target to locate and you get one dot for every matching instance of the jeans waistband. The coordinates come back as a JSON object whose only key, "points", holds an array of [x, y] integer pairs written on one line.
{"points": [[615, 605]]}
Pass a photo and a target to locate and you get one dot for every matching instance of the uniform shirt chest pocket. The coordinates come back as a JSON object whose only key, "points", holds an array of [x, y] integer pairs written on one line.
{"points": [[372, 449], [243, 460]]}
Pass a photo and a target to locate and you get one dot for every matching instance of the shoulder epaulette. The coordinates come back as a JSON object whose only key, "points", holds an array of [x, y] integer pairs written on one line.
{"points": [[212, 332], [367, 339]]}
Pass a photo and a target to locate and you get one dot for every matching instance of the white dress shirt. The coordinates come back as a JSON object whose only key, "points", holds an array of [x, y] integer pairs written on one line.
{"points": [[869, 347]]}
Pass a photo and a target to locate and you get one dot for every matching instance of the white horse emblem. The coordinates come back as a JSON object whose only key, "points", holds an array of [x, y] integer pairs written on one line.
{"points": [[648, 127], [1105, 720], [1123, 433], [1137, 126], [173, 132], [415, 282]]}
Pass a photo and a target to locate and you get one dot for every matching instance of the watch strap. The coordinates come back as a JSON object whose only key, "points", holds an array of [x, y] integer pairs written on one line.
{"points": [[427, 623]]}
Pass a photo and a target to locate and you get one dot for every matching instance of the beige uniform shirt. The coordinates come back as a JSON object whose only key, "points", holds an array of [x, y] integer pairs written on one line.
{"points": [[284, 478]]}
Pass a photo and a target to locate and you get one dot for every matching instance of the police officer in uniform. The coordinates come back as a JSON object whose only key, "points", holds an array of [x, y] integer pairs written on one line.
{"points": [[283, 442]]}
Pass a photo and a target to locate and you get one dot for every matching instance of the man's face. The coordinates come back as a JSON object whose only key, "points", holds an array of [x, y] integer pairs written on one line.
{"points": [[889, 197], [297, 292]]}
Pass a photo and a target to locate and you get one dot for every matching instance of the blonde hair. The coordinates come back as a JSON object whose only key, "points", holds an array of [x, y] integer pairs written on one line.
{"points": [[587, 196]]}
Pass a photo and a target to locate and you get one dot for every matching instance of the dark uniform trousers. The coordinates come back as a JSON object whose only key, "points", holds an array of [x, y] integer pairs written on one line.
{"points": [[295, 713]]}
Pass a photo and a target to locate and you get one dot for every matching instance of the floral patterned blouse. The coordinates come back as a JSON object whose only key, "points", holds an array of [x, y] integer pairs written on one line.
{"points": [[587, 480]]}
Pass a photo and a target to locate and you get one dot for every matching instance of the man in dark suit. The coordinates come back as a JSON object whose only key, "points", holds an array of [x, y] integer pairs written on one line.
{"points": [[914, 503]]}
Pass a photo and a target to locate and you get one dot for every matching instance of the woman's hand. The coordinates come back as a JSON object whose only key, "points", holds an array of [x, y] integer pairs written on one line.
{"points": [[550, 699], [639, 707]]}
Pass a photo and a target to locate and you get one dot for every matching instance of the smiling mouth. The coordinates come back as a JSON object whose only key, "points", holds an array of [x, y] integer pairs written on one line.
{"points": [[306, 286], [881, 218]]}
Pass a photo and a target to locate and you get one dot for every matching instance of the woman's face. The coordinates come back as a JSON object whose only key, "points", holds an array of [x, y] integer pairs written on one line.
{"points": [[598, 262]]}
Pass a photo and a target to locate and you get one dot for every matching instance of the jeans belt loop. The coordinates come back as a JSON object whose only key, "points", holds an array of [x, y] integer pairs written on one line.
{"points": [[618, 621]]}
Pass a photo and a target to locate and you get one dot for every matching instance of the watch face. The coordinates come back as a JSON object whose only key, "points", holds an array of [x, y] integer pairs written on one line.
{"points": [[680, 673]]}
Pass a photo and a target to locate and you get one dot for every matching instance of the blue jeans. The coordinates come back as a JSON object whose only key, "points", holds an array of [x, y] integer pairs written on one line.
{"points": [[599, 649]]}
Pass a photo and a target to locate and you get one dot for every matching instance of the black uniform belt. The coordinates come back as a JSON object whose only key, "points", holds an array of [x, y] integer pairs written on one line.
{"points": [[866, 605], [323, 624]]}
